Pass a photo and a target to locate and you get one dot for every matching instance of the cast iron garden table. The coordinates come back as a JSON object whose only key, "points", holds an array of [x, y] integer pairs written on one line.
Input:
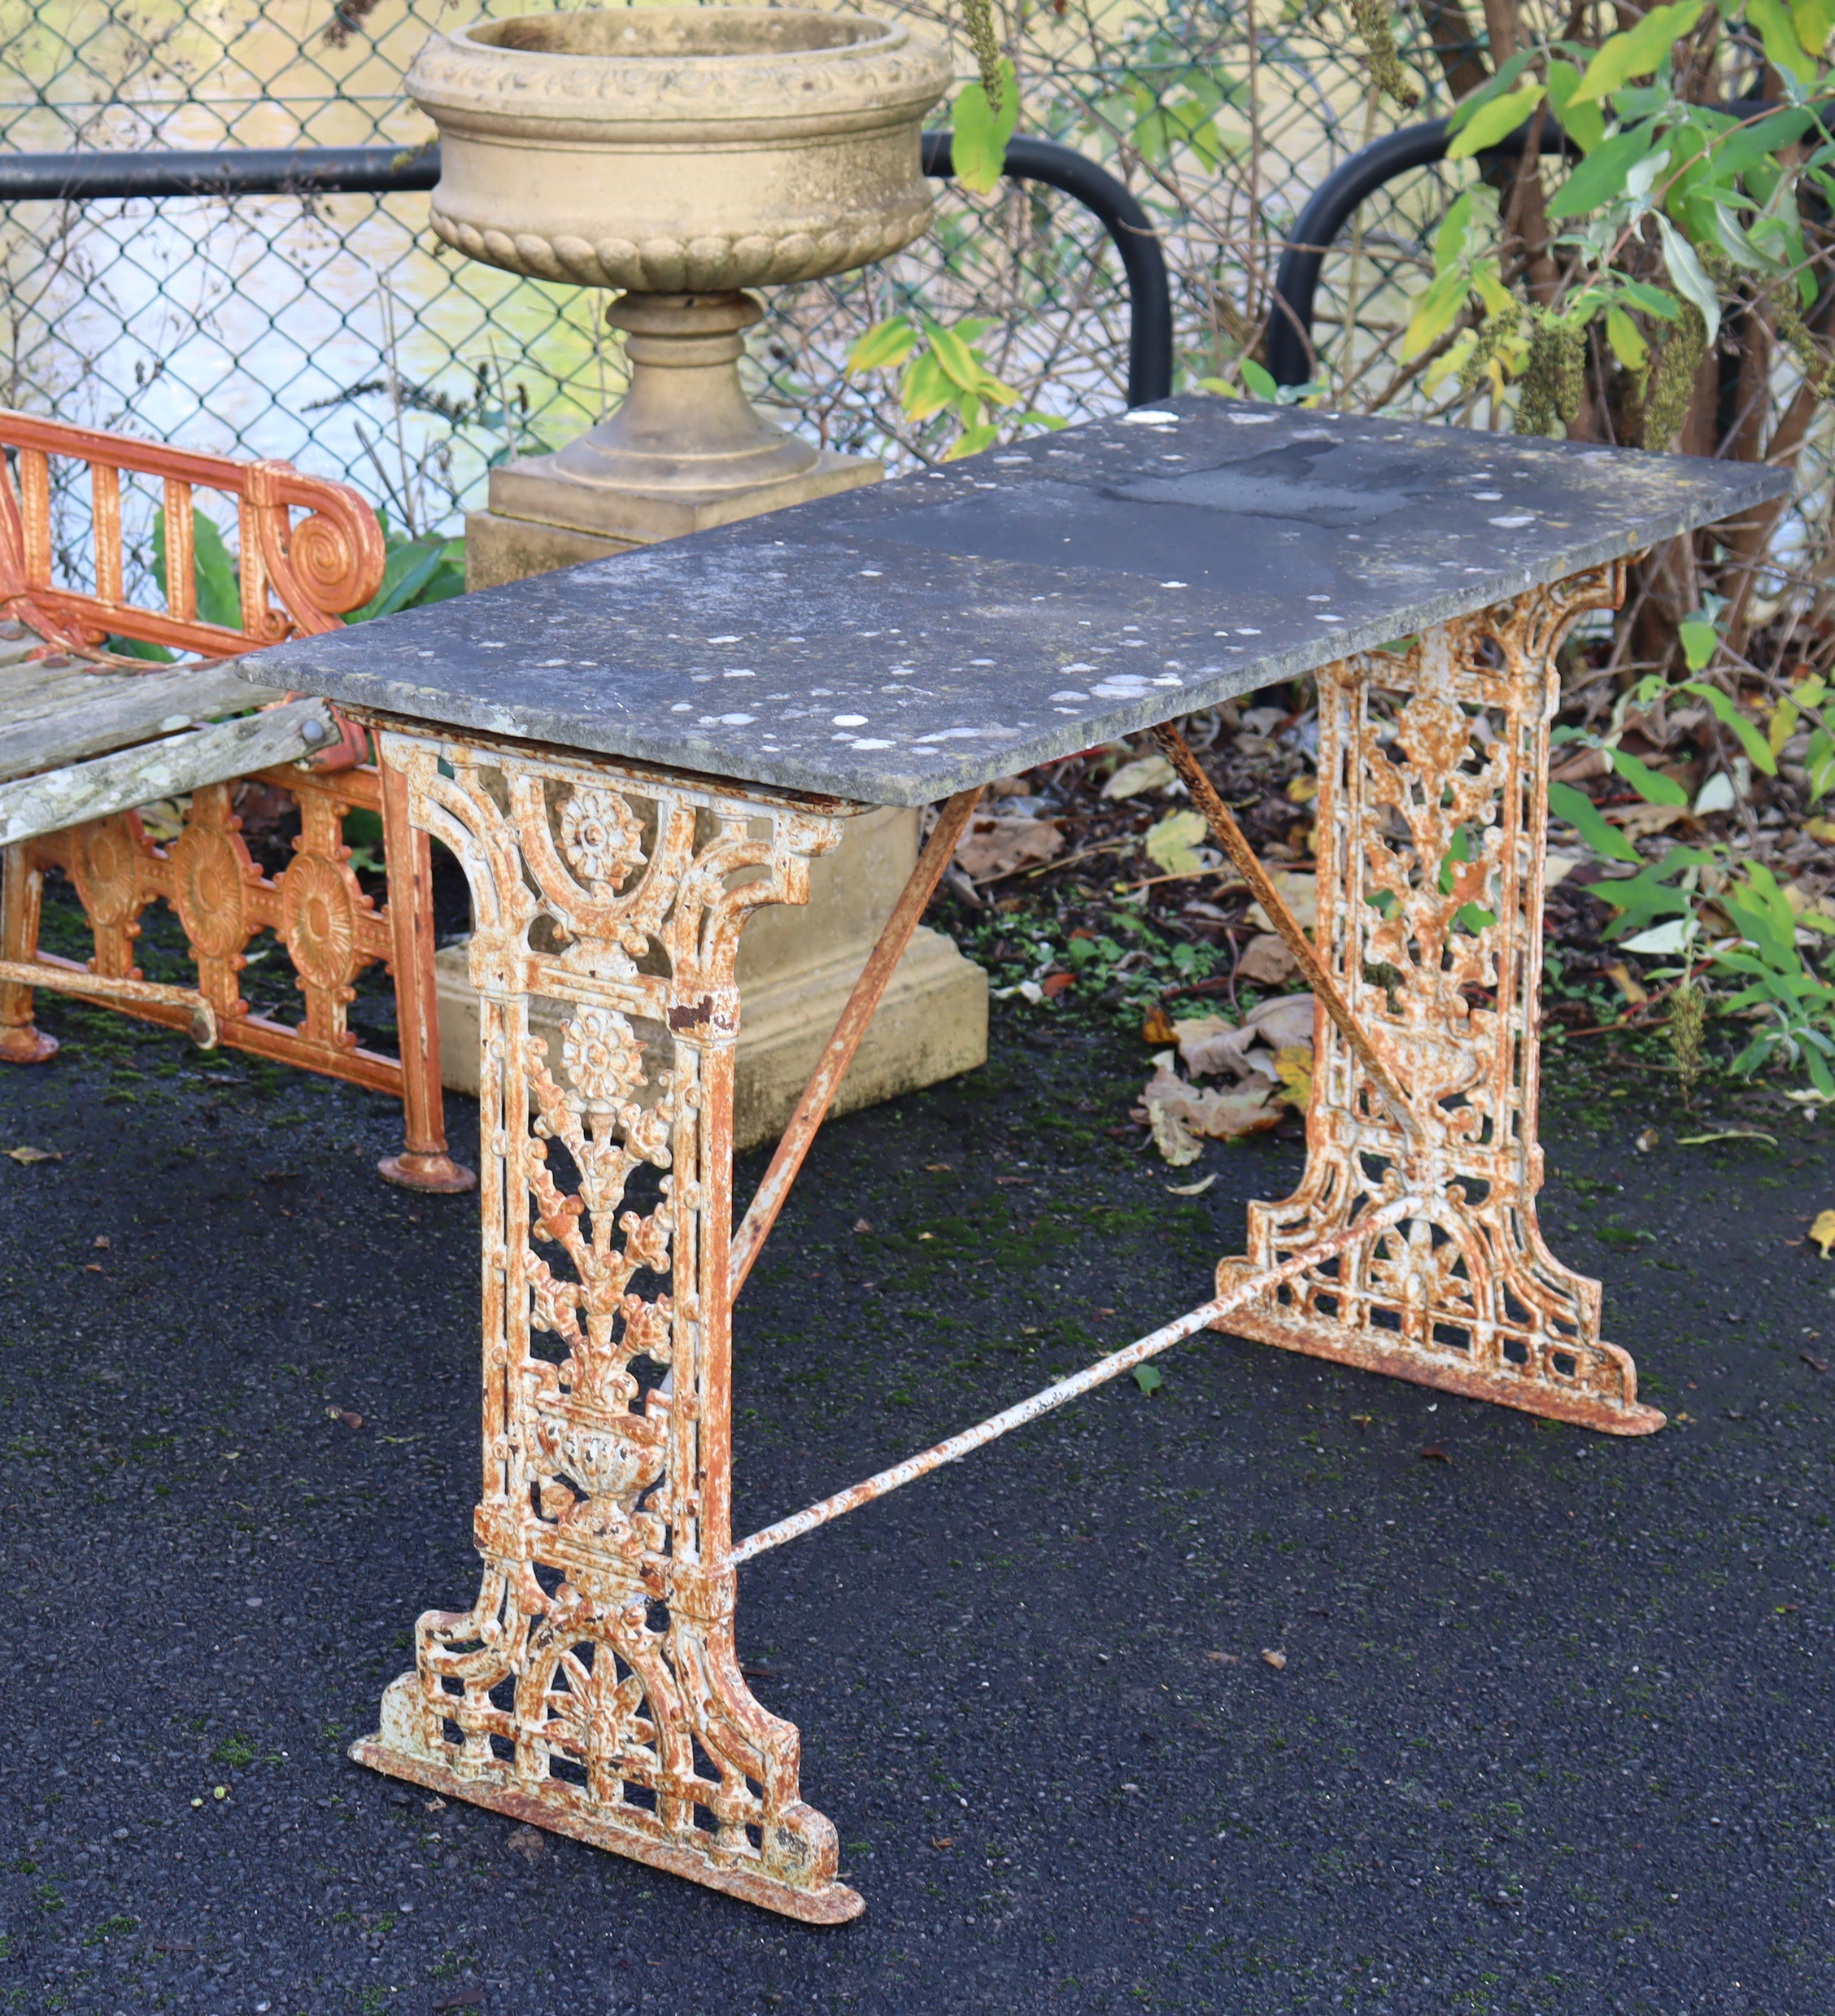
{"points": [[630, 757]]}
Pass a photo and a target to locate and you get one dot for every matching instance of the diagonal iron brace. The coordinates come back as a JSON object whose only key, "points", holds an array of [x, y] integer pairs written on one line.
{"points": [[1229, 837], [831, 1066]]}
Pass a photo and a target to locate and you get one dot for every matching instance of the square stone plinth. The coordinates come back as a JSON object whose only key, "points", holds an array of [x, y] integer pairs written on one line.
{"points": [[500, 550], [932, 1024], [797, 966], [530, 488]]}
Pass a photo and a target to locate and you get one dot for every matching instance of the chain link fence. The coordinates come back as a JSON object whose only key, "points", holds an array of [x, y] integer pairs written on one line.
{"points": [[336, 331]]}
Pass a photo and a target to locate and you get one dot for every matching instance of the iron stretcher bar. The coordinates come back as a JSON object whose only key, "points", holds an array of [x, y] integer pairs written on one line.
{"points": [[831, 1066], [1071, 1388], [60, 977]]}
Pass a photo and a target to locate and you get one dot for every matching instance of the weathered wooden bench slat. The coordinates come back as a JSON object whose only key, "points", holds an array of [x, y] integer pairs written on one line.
{"points": [[31, 807], [51, 715]]}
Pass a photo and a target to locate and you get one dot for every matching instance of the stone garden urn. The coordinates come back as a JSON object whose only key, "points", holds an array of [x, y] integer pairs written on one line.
{"points": [[682, 156]]}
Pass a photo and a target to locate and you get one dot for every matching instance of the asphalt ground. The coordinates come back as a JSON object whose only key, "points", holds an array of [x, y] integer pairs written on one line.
{"points": [[1553, 1733]]}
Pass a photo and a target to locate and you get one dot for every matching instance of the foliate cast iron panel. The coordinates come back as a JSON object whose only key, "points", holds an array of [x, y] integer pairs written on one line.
{"points": [[595, 1687], [1433, 795]]}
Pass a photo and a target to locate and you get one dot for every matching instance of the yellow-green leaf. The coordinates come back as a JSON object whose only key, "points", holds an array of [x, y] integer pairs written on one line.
{"points": [[1583, 123], [1637, 51], [885, 344], [1434, 313], [926, 388], [1173, 843], [980, 149], [1450, 241], [1491, 123], [1294, 1068], [1728, 714], [955, 358], [1627, 346], [1783, 48], [1785, 717], [972, 441], [1814, 21], [1700, 641], [1449, 361], [1822, 1233]]}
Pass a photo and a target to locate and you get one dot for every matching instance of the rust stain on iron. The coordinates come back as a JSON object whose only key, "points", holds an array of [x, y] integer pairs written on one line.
{"points": [[688, 1015]]}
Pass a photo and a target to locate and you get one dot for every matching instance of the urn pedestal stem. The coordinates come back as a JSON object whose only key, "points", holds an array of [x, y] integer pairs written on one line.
{"points": [[686, 424]]}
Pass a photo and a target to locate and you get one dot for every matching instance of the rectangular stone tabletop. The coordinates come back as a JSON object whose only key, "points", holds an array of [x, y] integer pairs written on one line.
{"points": [[895, 645]]}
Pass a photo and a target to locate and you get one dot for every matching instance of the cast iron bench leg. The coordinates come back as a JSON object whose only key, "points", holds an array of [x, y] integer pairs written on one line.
{"points": [[1425, 756], [22, 895], [595, 1687]]}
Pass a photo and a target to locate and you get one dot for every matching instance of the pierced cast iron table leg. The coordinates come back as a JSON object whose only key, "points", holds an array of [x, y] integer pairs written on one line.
{"points": [[594, 1688], [1432, 803]]}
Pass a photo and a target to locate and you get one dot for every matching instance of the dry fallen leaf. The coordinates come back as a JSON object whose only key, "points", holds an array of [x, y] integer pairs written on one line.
{"points": [[1268, 962], [1294, 1068], [24, 1155], [1145, 774], [1636, 820], [1209, 1043], [1276, 1660], [1298, 888], [1176, 1142], [861, 1225], [1157, 1028], [1057, 983], [994, 847], [101, 1242], [1634, 991], [1815, 1364], [1823, 1232], [1433, 1453], [435, 1804], [948, 1840], [1648, 1140], [1556, 868], [342, 1414], [1179, 1113], [1223, 1658], [1192, 1189], [529, 1843]]}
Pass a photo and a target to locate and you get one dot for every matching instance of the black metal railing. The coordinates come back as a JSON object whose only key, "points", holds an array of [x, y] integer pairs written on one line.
{"points": [[386, 171]]}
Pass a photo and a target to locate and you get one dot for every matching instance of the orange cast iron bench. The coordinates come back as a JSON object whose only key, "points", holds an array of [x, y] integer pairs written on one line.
{"points": [[89, 734]]}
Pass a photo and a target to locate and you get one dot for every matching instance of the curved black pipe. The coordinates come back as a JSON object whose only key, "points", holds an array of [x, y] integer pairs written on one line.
{"points": [[1130, 229], [382, 171], [1288, 346]]}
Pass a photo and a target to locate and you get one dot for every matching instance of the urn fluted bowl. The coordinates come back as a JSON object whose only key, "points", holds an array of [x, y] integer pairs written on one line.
{"points": [[680, 150]]}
